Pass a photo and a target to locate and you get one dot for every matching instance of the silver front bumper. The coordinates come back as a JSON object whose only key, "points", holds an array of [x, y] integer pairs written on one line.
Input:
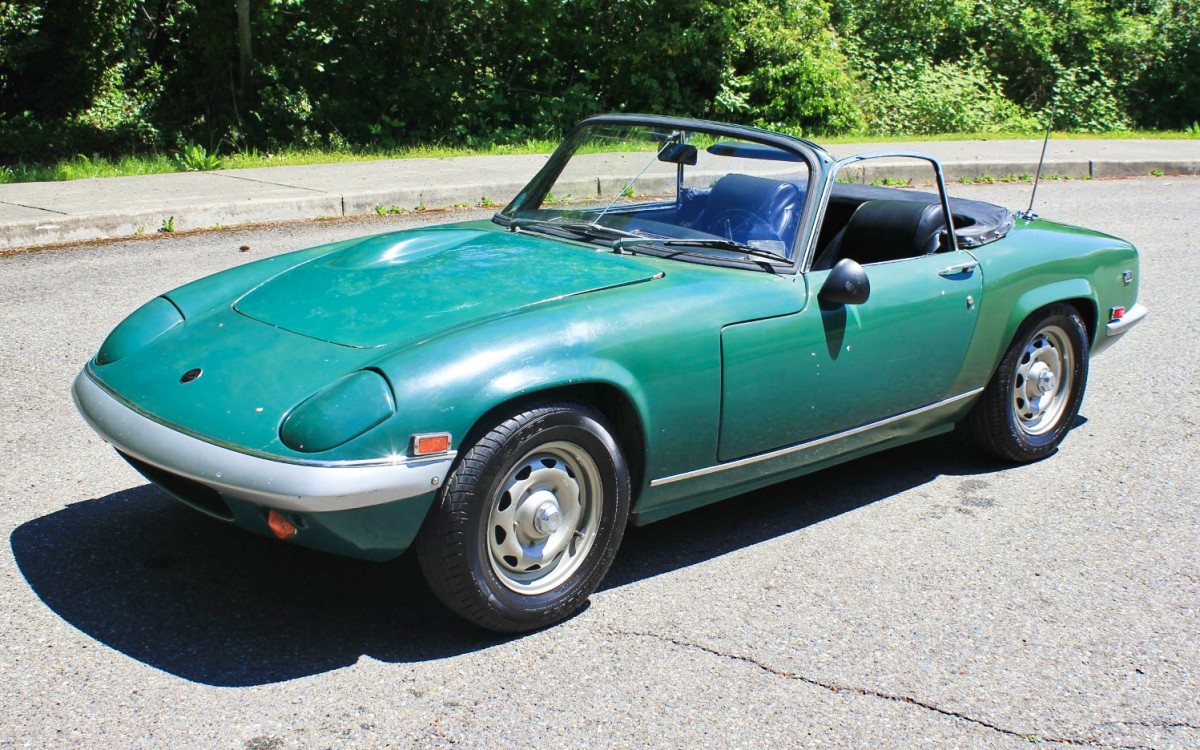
{"points": [[306, 486]]}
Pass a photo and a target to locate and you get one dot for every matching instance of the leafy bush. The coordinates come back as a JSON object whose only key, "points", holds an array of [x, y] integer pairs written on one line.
{"points": [[1089, 102], [1108, 65], [1167, 94], [922, 97], [786, 68], [118, 76]]}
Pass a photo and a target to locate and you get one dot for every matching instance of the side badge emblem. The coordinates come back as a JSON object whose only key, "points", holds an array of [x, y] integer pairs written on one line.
{"points": [[191, 375]]}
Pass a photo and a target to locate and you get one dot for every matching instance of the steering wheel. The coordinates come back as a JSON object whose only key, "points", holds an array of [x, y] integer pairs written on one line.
{"points": [[743, 226]]}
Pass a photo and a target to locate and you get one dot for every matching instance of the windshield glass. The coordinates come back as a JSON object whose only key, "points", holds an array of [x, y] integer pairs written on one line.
{"points": [[702, 193]]}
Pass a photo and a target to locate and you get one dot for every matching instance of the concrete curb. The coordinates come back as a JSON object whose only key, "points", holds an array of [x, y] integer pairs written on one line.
{"points": [[116, 224], [919, 174], [261, 199]]}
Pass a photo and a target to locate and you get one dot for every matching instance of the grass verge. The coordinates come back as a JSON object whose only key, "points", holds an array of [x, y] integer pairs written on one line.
{"points": [[195, 158]]}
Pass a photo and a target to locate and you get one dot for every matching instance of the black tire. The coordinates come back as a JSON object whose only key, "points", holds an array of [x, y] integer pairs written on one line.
{"points": [[1008, 424], [461, 552]]}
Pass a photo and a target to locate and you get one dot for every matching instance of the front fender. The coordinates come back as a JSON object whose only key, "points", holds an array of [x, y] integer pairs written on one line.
{"points": [[526, 381], [455, 398], [451, 384], [670, 375]]}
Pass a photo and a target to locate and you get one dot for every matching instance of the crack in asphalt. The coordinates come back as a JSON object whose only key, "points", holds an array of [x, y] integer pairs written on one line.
{"points": [[867, 692]]}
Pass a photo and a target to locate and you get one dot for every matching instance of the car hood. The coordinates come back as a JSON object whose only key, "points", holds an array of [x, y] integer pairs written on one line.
{"points": [[406, 287]]}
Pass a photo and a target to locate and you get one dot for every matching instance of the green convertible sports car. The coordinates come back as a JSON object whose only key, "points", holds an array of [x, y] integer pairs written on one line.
{"points": [[672, 312]]}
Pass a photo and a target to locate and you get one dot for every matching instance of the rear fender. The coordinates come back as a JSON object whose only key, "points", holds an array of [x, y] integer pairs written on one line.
{"points": [[1036, 299]]}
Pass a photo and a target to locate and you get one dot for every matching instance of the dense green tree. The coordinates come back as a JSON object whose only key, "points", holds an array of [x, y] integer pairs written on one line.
{"points": [[96, 76]]}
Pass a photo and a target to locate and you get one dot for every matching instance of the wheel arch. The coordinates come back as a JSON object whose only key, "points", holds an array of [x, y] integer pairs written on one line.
{"points": [[613, 402], [994, 423], [1076, 292], [1089, 311]]}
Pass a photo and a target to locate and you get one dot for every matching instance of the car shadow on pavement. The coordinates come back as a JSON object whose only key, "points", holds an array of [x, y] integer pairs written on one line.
{"points": [[213, 604], [714, 530]]}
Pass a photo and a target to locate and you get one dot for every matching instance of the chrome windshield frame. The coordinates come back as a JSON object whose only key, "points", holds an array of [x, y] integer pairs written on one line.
{"points": [[816, 159]]}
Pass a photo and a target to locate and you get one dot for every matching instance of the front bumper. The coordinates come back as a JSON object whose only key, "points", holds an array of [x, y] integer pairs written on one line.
{"points": [[303, 487]]}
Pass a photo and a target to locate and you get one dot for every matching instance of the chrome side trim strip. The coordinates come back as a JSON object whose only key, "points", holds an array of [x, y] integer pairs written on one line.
{"points": [[263, 481], [797, 448], [1132, 317]]}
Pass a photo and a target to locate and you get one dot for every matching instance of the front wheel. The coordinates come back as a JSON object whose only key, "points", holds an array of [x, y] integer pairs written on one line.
{"points": [[1033, 398], [529, 520]]}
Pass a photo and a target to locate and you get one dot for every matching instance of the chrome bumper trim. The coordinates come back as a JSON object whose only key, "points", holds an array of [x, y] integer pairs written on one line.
{"points": [[308, 488], [1132, 317]]}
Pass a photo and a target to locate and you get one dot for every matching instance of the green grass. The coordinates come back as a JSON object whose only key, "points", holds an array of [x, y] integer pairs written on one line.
{"points": [[195, 158], [81, 167], [1154, 135]]}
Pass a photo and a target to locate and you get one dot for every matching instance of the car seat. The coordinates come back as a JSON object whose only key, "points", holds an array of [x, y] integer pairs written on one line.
{"points": [[885, 230], [753, 211]]}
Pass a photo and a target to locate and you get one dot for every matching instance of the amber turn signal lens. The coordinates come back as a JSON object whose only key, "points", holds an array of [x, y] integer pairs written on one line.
{"points": [[436, 442], [280, 526]]}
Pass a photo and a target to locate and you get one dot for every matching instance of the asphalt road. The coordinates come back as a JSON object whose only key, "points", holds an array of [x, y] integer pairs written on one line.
{"points": [[921, 598]]}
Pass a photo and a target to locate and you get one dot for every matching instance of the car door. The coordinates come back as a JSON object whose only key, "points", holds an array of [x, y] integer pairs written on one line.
{"points": [[822, 371]]}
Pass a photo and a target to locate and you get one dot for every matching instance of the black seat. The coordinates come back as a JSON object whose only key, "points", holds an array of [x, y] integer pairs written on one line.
{"points": [[752, 209], [885, 230]]}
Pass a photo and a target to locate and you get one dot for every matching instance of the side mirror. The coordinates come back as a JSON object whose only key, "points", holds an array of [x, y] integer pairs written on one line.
{"points": [[847, 284]]}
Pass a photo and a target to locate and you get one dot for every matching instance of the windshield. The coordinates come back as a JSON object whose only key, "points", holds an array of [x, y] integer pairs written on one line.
{"points": [[639, 187]]}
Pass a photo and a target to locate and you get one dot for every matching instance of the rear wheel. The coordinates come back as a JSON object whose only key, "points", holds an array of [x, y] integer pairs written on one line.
{"points": [[1033, 398], [529, 520]]}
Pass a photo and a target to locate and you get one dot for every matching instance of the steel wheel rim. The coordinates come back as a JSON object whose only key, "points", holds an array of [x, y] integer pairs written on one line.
{"points": [[544, 518], [1043, 380]]}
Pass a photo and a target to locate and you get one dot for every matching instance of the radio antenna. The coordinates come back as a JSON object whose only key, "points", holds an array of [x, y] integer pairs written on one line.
{"points": [[1028, 214]]}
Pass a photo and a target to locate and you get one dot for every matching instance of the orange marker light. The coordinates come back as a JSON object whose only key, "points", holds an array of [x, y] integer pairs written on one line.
{"points": [[430, 443], [1117, 313], [280, 526]]}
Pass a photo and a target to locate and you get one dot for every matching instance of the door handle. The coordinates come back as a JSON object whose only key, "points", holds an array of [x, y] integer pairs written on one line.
{"points": [[957, 268]]}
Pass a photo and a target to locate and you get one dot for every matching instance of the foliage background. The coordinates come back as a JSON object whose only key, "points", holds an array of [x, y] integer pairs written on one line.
{"points": [[126, 76]]}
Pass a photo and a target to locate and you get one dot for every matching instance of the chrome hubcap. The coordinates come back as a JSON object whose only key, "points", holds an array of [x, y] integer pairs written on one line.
{"points": [[547, 518], [1042, 384], [544, 518], [1043, 378]]}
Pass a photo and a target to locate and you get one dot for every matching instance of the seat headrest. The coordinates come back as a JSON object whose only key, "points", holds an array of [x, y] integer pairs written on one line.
{"points": [[890, 230], [753, 210], [742, 191]]}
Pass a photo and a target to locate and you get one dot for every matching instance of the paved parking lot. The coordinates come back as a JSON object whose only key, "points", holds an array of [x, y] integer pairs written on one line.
{"points": [[921, 598]]}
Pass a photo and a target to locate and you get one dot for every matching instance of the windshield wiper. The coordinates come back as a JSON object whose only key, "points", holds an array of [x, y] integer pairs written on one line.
{"points": [[587, 230], [720, 244]]}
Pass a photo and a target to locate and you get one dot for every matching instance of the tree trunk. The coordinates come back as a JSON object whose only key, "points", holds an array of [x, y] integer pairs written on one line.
{"points": [[245, 54]]}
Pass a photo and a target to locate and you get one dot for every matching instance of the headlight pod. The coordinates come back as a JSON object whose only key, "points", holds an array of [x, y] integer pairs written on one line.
{"points": [[143, 326], [339, 413]]}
